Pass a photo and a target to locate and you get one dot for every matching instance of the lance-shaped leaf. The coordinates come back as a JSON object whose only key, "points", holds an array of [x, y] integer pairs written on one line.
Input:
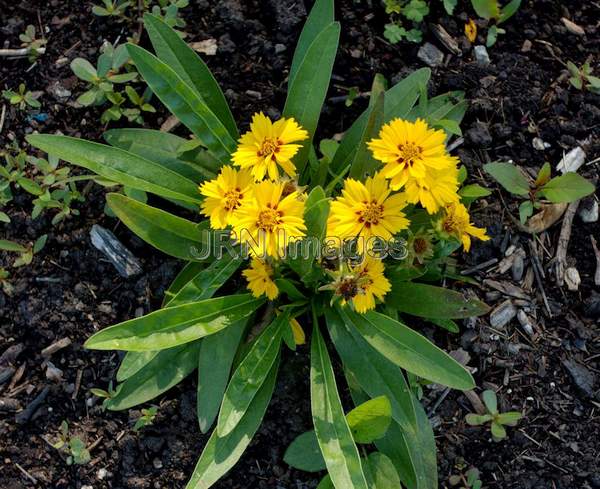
{"points": [[217, 353], [509, 176], [333, 433], [163, 148], [429, 301], [187, 273], [174, 326], [250, 375], [207, 281], [408, 349], [170, 234], [174, 51], [221, 453], [308, 89], [320, 16], [184, 102], [166, 369], [133, 362], [119, 166], [375, 374]]}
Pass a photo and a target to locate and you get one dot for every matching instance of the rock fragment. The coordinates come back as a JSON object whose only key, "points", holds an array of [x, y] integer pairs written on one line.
{"points": [[122, 259]]}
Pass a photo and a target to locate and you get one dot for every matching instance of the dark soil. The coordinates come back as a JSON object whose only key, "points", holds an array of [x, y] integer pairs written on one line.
{"points": [[71, 291]]}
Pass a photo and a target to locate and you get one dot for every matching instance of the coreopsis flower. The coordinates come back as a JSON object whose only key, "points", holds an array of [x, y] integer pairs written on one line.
{"points": [[268, 145], [366, 210], [260, 279], [372, 284], [268, 222], [225, 194], [456, 223], [438, 189], [409, 149], [420, 246]]}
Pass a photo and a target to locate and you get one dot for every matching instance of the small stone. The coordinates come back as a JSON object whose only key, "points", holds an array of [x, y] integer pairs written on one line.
{"points": [[157, 463], [540, 144], [430, 55], [254, 94], [280, 48], [584, 379], [101, 474], [588, 209], [572, 27], [572, 161], [122, 259], [207, 47], [356, 53], [53, 373], [526, 47], [481, 56], [58, 91], [503, 314], [572, 279]]}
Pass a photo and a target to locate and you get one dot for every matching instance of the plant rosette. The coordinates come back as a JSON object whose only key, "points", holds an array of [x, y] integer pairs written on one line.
{"points": [[344, 248]]}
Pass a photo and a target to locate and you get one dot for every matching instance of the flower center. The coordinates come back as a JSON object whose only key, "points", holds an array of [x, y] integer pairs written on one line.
{"points": [[420, 245], [269, 147], [450, 225], [409, 152], [269, 219], [347, 288], [233, 199], [370, 214]]}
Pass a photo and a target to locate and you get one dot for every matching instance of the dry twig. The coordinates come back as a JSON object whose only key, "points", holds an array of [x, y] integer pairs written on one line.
{"points": [[563, 242]]}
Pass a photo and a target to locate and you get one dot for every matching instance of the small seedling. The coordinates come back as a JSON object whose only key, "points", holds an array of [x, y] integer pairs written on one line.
{"points": [[468, 480], [497, 420], [491, 10], [29, 40], [146, 419], [413, 11], [564, 188], [112, 8], [22, 98], [73, 446], [27, 252], [4, 283], [582, 79], [168, 11]]}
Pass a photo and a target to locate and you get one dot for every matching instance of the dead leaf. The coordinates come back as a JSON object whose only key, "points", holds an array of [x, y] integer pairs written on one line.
{"points": [[208, 47], [548, 216]]}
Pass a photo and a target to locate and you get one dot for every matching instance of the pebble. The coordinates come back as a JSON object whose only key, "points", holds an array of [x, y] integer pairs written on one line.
{"points": [[588, 209], [430, 55], [481, 56], [58, 91], [157, 463], [572, 279], [503, 314], [540, 144], [280, 48], [101, 474], [526, 46], [572, 161]]}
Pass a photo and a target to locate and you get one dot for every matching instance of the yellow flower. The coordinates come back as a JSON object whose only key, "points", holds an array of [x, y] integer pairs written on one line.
{"points": [[438, 189], [260, 279], [224, 195], [268, 222], [298, 332], [371, 283], [267, 145], [457, 223], [471, 30], [367, 210], [409, 149]]}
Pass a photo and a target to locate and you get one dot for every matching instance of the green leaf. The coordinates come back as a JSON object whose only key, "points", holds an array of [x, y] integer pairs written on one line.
{"points": [[498, 431], [7, 245], [133, 362], [217, 353], [174, 326], [83, 69], [525, 210], [166, 369], [250, 375], [304, 453], [380, 472], [509, 10], [362, 162], [187, 273], [473, 191], [490, 400], [170, 234], [429, 301], [163, 149], [477, 419], [221, 453], [376, 375], [543, 175], [207, 281], [567, 188], [30, 186], [510, 418], [39, 243], [415, 10], [370, 420], [184, 102], [173, 51], [509, 176], [408, 349], [319, 18], [449, 6], [333, 433], [308, 89], [119, 166], [487, 9]]}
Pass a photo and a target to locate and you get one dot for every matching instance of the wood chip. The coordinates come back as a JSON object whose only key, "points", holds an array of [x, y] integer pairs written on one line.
{"points": [[56, 346], [503, 314], [506, 288], [572, 27]]}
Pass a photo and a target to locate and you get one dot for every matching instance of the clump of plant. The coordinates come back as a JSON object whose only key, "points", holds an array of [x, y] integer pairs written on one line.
{"points": [[345, 248], [166, 10], [497, 420], [73, 447], [52, 184], [112, 8], [468, 480], [104, 81], [22, 97], [146, 419], [565, 188], [36, 47], [582, 79], [495, 13], [25, 252]]}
